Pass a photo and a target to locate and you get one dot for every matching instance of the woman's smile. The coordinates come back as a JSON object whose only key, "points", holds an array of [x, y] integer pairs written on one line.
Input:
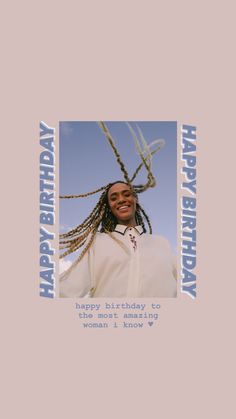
{"points": [[122, 203]]}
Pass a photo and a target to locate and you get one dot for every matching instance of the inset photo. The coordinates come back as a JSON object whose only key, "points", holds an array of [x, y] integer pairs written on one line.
{"points": [[118, 209]]}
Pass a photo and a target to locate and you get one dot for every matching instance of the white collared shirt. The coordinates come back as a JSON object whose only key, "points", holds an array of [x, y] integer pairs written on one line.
{"points": [[124, 263]]}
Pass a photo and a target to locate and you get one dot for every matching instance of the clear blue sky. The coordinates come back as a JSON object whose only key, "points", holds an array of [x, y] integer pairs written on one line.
{"points": [[87, 162]]}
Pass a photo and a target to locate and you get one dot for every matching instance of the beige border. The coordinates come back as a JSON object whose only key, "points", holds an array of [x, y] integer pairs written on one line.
{"points": [[127, 60]]}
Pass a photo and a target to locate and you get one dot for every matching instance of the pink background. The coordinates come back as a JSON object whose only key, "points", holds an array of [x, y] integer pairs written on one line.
{"points": [[121, 60]]}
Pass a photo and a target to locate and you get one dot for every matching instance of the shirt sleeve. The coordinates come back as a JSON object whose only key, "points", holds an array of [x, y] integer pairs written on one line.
{"points": [[77, 280], [173, 260], [171, 272], [174, 266]]}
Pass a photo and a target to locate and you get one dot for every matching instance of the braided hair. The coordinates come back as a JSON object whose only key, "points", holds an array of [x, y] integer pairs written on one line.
{"points": [[101, 218]]}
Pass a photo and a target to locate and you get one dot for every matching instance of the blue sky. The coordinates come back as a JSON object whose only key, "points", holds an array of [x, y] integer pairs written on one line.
{"points": [[88, 162]]}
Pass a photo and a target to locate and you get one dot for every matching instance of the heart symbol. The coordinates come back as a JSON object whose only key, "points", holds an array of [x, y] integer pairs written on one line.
{"points": [[150, 323]]}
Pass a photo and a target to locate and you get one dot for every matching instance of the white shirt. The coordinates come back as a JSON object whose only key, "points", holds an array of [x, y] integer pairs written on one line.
{"points": [[124, 263]]}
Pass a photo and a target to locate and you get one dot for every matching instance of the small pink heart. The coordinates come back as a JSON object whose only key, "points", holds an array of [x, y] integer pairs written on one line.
{"points": [[150, 323]]}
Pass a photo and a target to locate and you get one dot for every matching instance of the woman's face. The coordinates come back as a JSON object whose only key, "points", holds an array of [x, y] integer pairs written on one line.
{"points": [[122, 203]]}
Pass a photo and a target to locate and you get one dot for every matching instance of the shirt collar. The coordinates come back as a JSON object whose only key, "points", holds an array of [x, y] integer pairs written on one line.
{"points": [[120, 228]]}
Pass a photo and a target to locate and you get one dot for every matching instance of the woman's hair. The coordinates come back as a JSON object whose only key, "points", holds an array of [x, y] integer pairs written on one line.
{"points": [[101, 216], [109, 221]]}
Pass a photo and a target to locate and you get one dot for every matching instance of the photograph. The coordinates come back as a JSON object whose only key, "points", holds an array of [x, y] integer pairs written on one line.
{"points": [[118, 209]]}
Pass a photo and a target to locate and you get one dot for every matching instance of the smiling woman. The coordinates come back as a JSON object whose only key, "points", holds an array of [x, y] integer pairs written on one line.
{"points": [[119, 258], [122, 260], [122, 203]]}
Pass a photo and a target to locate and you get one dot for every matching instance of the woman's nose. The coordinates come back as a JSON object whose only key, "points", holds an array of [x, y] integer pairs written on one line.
{"points": [[121, 199]]}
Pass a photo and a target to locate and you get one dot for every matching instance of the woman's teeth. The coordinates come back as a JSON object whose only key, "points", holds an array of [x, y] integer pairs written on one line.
{"points": [[123, 207]]}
